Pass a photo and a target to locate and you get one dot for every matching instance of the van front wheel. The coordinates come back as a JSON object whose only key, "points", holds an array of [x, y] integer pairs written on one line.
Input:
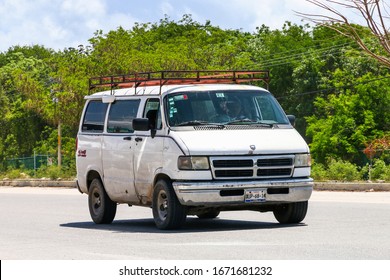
{"points": [[101, 207], [168, 213], [291, 213]]}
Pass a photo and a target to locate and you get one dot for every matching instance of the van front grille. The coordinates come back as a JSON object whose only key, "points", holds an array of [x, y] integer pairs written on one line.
{"points": [[252, 167], [274, 172], [233, 173], [274, 162], [233, 163]]}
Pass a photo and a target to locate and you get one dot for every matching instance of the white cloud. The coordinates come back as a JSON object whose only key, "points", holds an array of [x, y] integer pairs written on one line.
{"points": [[84, 8], [59, 24], [249, 14], [119, 19], [53, 29], [56, 24], [166, 8]]}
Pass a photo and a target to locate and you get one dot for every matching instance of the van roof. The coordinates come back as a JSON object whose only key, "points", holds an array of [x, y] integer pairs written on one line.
{"points": [[163, 90], [157, 83]]}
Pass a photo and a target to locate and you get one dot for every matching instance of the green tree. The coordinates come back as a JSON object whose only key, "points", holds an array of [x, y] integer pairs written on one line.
{"points": [[169, 45], [21, 79], [69, 73], [344, 122]]}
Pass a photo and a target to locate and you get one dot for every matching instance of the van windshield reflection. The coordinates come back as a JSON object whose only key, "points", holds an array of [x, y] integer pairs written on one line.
{"points": [[222, 108]]}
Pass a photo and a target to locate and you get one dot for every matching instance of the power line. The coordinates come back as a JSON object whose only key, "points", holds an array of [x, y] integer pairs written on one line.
{"points": [[291, 59], [283, 60], [296, 53], [313, 43], [334, 88], [308, 52]]}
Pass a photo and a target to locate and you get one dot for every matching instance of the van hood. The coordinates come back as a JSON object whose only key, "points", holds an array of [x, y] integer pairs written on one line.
{"points": [[241, 142]]}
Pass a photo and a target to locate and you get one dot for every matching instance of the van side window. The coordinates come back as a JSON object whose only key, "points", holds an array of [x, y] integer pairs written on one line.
{"points": [[120, 118], [94, 117], [152, 112]]}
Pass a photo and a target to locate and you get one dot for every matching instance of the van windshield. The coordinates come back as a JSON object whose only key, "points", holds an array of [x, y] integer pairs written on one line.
{"points": [[230, 107]]}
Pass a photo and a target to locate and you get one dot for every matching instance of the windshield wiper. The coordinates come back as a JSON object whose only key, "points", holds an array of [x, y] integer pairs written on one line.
{"points": [[195, 123], [250, 122], [241, 121], [262, 124]]}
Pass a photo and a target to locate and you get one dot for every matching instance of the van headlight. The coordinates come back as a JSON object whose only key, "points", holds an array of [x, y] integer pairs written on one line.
{"points": [[302, 160], [193, 163]]}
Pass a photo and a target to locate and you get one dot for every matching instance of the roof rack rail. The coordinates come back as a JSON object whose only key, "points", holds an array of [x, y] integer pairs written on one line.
{"points": [[162, 78]]}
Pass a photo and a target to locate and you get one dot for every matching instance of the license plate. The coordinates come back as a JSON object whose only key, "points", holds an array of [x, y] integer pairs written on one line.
{"points": [[257, 195]]}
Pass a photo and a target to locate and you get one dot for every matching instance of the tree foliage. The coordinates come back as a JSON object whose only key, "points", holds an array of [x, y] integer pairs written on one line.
{"points": [[341, 98]]}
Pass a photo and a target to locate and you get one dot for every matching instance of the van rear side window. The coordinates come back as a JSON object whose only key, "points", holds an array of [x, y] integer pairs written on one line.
{"points": [[120, 118], [94, 117]]}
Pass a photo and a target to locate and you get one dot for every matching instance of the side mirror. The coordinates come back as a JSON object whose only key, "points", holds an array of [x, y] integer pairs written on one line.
{"points": [[291, 118], [141, 124]]}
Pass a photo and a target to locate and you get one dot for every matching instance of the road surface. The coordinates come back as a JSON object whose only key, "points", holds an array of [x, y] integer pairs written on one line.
{"points": [[54, 223]]}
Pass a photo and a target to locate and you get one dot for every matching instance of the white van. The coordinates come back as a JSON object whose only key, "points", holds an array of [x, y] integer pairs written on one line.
{"points": [[190, 143]]}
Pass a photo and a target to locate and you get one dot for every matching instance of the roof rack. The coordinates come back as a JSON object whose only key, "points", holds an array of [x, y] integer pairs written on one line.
{"points": [[162, 78]]}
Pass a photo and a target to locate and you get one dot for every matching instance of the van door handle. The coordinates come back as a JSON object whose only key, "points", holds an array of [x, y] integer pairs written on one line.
{"points": [[138, 139], [128, 138]]}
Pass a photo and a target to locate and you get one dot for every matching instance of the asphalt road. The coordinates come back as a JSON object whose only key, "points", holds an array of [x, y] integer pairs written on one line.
{"points": [[51, 223]]}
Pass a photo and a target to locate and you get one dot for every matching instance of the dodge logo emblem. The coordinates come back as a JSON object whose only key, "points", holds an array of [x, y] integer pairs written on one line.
{"points": [[253, 147]]}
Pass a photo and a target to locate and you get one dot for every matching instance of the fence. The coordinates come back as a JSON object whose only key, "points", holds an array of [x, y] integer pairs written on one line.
{"points": [[33, 162]]}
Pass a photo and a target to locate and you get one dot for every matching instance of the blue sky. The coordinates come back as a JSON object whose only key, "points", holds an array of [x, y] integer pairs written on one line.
{"points": [[59, 24]]}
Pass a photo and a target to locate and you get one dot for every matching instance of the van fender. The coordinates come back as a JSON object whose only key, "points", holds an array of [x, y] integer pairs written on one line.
{"points": [[93, 171]]}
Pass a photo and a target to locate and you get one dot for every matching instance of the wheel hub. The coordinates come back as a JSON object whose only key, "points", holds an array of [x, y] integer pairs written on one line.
{"points": [[162, 205], [96, 200]]}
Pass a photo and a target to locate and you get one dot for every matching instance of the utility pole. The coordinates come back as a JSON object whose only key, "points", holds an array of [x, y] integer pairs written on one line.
{"points": [[57, 116], [59, 143], [59, 155]]}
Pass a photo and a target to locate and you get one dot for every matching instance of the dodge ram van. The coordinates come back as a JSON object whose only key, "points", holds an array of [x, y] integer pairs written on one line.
{"points": [[190, 143]]}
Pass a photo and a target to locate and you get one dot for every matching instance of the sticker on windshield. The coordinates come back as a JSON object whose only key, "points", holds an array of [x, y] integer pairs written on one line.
{"points": [[220, 95], [180, 97], [172, 111]]}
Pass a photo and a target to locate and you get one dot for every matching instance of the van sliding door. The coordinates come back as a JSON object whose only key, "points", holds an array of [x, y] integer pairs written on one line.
{"points": [[118, 146]]}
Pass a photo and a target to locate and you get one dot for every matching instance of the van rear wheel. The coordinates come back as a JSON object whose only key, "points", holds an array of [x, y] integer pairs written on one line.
{"points": [[168, 213], [101, 207], [291, 213]]}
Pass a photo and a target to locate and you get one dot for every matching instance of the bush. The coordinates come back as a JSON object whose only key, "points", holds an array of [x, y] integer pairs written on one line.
{"points": [[343, 171], [51, 172], [13, 174], [54, 172], [319, 172], [336, 170], [16, 174], [379, 171]]}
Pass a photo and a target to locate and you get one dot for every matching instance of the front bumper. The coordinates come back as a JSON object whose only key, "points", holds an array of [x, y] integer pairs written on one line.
{"points": [[220, 193]]}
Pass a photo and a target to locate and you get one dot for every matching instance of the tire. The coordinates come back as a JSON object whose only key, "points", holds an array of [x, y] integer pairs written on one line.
{"points": [[101, 208], [211, 214], [291, 213], [168, 213]]}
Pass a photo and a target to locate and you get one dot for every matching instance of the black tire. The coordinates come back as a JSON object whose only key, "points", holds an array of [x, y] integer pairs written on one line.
{"points": [[101, 208], [291, 213], [211, 214], [168, 213]]}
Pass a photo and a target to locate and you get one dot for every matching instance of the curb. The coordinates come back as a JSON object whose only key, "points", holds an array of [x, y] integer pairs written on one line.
{"points": [[318, 186], [352, 186], [38, 183]]}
